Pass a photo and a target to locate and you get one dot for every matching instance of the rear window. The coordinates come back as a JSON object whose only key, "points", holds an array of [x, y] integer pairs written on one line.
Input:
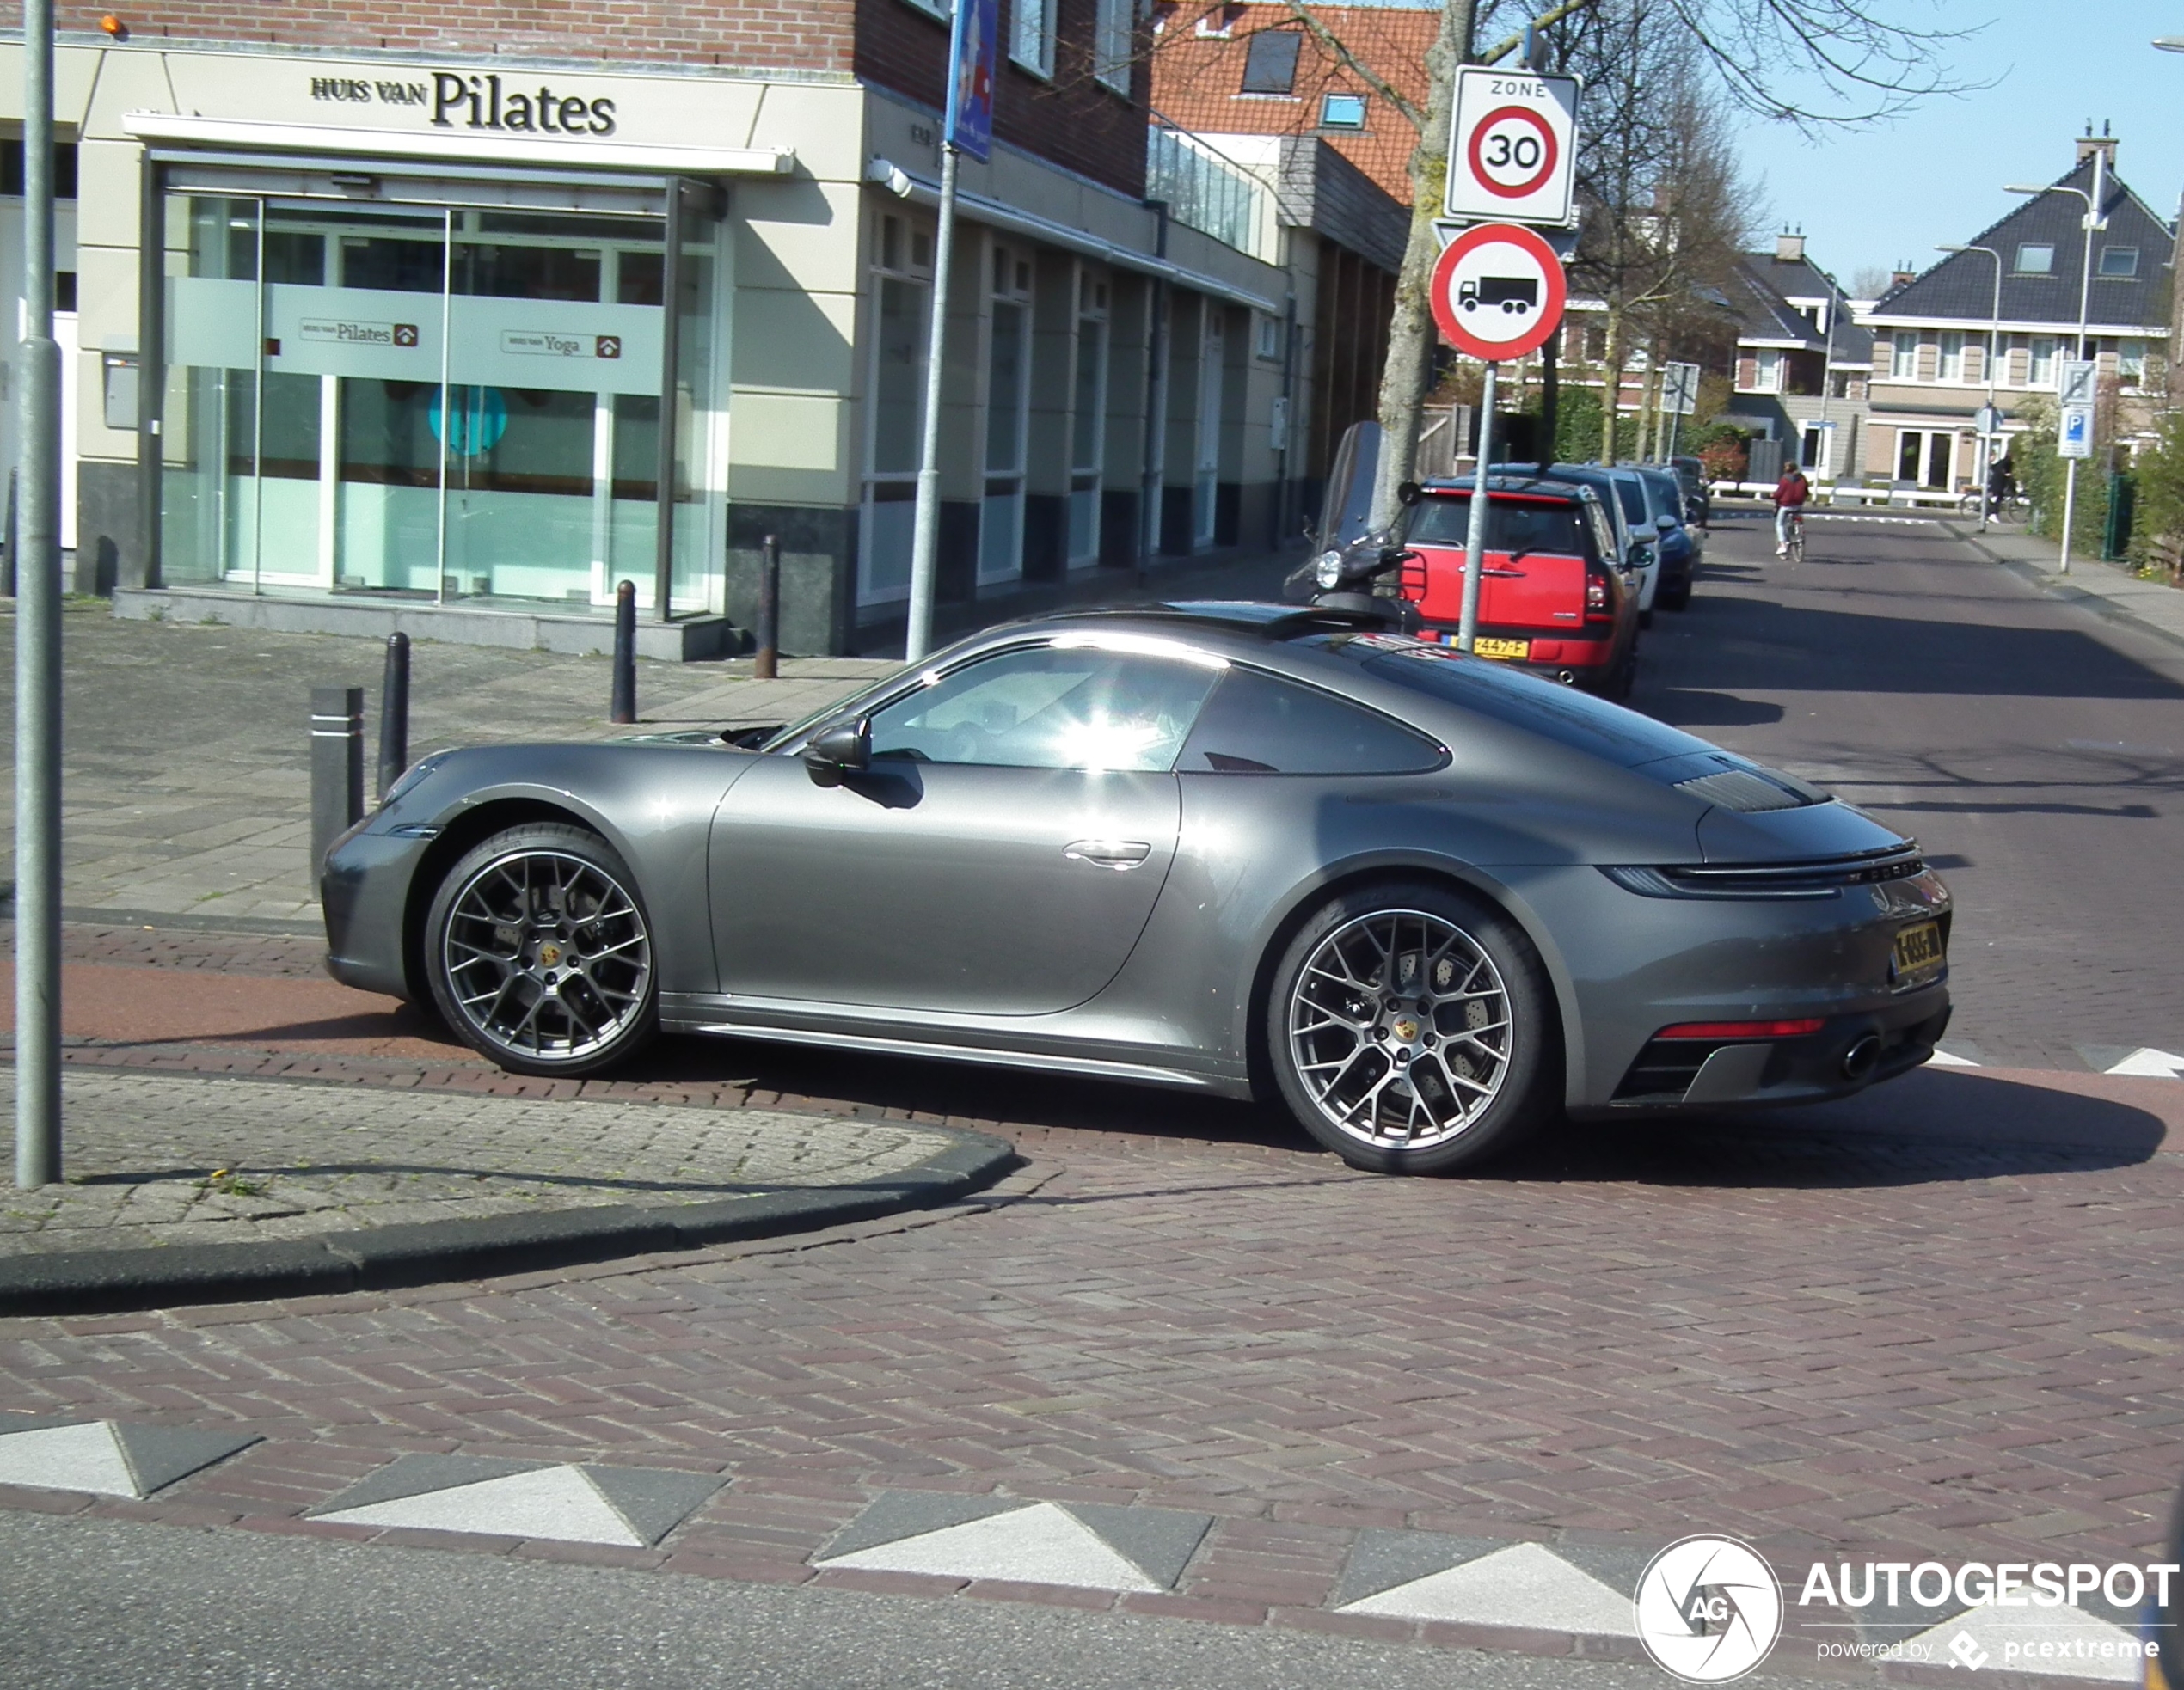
{"points": [[1256, 725], [1633, 496], [1513, 524], [1563, 713]]}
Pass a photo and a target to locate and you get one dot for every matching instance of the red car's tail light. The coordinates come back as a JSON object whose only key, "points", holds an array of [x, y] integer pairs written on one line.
{"points": [[1599, 595], [1728, 1030]]}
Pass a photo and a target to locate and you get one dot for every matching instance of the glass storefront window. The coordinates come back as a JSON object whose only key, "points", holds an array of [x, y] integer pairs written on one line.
{"points": [[445, 401]]}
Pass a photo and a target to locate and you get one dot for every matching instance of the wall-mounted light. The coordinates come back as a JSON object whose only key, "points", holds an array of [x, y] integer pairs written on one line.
{"points": [[114, 27]]}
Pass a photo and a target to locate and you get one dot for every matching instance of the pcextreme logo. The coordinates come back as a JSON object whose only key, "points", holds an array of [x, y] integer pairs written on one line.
{"points": [[1709, 1609]]}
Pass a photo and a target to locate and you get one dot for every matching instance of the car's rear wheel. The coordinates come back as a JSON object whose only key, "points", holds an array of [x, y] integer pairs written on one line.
{"points": [[1409, 1029], [540, 953]]}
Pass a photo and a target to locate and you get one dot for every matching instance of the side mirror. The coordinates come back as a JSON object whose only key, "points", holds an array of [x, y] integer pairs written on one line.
{"points": [[1641, 554], [1408, 493], [839, 751]]}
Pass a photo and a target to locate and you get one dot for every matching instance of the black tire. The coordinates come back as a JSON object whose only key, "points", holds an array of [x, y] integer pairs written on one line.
{"points": [[542, 928], [1443, 1003], [1646, 617]]}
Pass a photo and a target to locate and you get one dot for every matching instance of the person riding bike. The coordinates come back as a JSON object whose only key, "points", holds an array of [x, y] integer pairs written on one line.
{"points": [[1790, 494]]}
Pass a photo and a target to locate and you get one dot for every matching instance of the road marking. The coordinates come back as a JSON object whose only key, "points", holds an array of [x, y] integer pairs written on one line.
{"points": [[1941, 1058], [1038, 1545], [557, 1503], [2159, 1064], [1522, 1585], [109, 1458], [2079, 1644]]}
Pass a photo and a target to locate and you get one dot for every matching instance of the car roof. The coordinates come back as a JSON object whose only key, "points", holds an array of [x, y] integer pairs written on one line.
{"points": [[1525, 486]]}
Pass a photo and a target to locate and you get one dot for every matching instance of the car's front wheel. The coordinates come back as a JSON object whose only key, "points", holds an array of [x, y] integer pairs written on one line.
{"points": [[540, 953], [1410, 1029]]}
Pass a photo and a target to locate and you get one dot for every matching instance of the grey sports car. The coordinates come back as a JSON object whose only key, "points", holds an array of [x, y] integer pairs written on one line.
{"points": [[1423, 901]]}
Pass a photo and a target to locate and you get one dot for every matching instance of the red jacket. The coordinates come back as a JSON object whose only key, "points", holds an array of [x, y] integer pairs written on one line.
{"points": [[1792, 491]]}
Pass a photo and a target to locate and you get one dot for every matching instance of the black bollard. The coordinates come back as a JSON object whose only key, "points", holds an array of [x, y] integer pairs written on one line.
{"points": [[393, 714], [337, 767], [625, 654], [766, 664]]}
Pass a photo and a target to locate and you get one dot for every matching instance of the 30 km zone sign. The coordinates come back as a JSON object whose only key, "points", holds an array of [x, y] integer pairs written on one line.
{"points": [[1513, 148], [1498, 291]]}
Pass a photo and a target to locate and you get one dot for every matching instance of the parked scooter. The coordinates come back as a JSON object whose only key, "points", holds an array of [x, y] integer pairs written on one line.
{"points": [[1363, 579]]}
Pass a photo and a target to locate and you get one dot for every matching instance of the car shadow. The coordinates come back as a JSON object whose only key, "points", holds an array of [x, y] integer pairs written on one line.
{"points": [[1687, 707]]}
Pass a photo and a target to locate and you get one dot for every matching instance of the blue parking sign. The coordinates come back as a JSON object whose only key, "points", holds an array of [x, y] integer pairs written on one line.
{"points": [[974, 46], [2074, 431]]}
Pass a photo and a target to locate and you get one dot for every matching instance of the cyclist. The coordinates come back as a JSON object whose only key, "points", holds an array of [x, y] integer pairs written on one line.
{"points": [[1790, 494]]}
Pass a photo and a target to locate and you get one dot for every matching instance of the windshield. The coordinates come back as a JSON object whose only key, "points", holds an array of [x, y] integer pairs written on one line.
{"points": [[1514, 526], [1633, 496], [1668, 491]]}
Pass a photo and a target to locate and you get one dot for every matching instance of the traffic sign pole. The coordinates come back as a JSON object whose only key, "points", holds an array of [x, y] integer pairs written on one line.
{"points": [[1475, 540]]}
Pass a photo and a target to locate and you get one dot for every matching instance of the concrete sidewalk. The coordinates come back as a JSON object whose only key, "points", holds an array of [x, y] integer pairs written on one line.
{"points": [[185, 1188], [2107, 589]]}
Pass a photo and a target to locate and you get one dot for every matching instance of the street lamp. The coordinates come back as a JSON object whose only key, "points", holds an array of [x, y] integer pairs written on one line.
{"points": [[1994, 339], [2092, 220], [2169, 43]]}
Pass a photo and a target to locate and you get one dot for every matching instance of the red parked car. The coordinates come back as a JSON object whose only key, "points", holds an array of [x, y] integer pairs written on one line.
{"points": [[1550, 598]]}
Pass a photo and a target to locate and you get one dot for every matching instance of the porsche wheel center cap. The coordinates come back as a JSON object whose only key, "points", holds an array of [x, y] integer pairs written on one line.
{"points": [[549, 955], [1405, 1029]]}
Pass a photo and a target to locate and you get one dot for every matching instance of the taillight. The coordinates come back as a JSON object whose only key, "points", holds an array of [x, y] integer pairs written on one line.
{"points": [[1599, 597]]}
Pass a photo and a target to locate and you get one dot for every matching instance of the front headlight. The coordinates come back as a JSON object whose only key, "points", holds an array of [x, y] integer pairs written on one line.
{"points": [[1327, 569], [409, 777]]}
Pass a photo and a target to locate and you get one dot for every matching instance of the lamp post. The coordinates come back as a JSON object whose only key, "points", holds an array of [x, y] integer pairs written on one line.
{"points": [[2093, 220], [1994, 340]]}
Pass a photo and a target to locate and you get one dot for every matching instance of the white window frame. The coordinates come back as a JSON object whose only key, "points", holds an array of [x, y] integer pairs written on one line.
{"points": [[1767, 370], [2131, 363], [1950, 366], [2033, 379], [906, 269], [1031, 36], [1903, 354], [1115, 29], [1092, 312]]}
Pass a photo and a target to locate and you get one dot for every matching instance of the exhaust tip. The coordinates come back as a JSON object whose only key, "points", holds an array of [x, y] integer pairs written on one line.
{"points": [[1567, 677], [1861, 1058]]}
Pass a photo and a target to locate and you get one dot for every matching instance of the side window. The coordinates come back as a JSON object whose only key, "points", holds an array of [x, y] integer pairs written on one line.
{"points": [[1256, 725], [1049, 706]]}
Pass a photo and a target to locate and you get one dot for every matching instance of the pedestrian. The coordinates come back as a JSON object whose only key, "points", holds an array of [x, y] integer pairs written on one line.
{"points": [[2002, 484], [1790, 494]]}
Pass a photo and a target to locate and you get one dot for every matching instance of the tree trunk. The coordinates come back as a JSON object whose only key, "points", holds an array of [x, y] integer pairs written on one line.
{"points": [[1411, 333]]}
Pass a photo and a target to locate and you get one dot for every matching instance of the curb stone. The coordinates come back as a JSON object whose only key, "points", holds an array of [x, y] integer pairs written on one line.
{"points": [[379, 1259], [2069, 591]]}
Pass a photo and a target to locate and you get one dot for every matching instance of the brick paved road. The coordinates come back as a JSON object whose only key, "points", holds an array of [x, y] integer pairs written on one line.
{"points": [[2036, 750]]}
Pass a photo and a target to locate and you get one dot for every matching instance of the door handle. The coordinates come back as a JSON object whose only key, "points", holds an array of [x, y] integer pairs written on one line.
{"points": [[1109, 853]]}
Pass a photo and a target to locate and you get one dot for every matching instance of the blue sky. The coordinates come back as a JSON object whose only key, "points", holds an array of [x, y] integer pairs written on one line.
{"points": [[1879, 195]]}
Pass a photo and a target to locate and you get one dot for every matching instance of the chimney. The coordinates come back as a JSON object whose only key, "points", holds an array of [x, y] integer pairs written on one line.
{"points": [[2090, 144], [1901, 274], [1789, 249]]}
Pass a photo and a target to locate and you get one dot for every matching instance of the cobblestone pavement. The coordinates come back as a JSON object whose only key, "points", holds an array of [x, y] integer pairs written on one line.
{"points": [[160, 1159], [2036, 749]]}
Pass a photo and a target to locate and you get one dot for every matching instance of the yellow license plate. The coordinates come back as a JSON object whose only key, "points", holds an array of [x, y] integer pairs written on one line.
{"points": [[1518, 649], [1918, 956]]}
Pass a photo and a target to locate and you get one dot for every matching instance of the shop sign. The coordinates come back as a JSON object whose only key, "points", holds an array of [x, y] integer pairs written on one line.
{"points": [[458, 99]]}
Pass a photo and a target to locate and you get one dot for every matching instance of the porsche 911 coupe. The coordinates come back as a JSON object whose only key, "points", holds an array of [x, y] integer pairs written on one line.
{"points": [[1423, 902]]}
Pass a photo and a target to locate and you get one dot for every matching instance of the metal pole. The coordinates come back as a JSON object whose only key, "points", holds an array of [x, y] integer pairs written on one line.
{"points": [[2078, 347], [37, 643], [925, 549], [1474, 542], [765, 662], [394, 713], [623, 705], [1986, 439]]}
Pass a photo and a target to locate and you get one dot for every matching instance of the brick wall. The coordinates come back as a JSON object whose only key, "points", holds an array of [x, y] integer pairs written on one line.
{"points": [[1077, 122], [804, 35]]}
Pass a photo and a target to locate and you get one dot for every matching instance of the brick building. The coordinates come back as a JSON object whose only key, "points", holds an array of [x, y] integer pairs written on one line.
{"points": [[1248, 86], [463, 317]]}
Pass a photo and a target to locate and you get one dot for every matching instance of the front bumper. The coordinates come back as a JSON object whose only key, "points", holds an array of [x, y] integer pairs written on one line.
{"points": [[363, 889]]}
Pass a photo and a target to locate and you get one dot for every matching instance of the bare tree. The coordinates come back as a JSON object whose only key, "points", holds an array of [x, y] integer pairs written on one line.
{"points": [[1813, 64], [1869, 281]]}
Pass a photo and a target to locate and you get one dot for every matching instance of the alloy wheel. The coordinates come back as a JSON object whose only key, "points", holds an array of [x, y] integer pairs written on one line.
{"points": [[546, 955], [1399, 1028]]}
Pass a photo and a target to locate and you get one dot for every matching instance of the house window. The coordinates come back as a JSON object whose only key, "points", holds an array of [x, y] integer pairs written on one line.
{"points": [[1220, 23], [1768, 377], [1903, 354], [2130, 362], [2043, 369], [2119, 262], [1951, 355], [2035, 258], [1270, 63], [1031, 42], [1342, 111], [1111, 44], [1269, 343]]}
